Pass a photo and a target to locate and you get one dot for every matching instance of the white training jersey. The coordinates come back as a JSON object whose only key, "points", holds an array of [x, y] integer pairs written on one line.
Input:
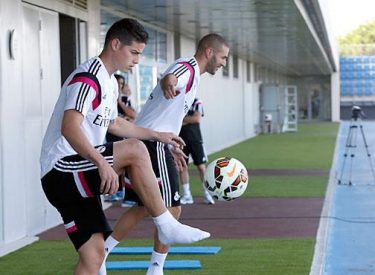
{"points": [[166, 115], [91, 91]]}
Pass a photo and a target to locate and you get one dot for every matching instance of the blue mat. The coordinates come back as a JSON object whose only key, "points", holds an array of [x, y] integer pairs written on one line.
{"points": [[131, 265], [172, 250]]}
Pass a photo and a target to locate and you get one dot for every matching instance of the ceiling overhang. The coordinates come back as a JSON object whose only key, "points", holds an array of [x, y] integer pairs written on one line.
{"points": [[273, 33]]}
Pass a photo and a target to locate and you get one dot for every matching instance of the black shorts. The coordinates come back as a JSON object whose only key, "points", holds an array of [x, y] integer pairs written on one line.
{"points": [[165, 171], [73, 187], [195, 149], [191, 134]]}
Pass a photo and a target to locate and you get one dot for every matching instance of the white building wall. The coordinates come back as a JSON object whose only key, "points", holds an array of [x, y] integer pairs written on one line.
{"points": [[12, 131], [26, 104], [187, 47], [335, 77]]}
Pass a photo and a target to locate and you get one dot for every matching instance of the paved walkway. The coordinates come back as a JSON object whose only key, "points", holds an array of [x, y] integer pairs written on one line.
{"points": [[346, 237]]}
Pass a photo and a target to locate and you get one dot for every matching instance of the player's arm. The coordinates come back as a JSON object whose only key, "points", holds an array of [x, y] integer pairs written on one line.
{"points": [[123, 128], [179, 158], [130, 112], [168, 84], [121, 104], [71, 130]]}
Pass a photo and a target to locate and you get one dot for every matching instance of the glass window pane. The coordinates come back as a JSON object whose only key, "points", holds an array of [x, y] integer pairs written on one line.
{"points": [[248, 71], [235, 66], [146, 82], [150, 49], [162, 47], [226, 68]]}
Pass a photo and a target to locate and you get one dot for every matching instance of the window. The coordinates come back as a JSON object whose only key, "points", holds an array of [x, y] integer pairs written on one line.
{"points": [[147, 80], [156, 48], [162, 47], [248, 71], [235, 66], [226, 69], [256, 73], [150, 49]]}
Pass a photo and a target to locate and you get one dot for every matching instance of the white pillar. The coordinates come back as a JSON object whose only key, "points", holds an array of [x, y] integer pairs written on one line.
{"points": [[335, 97]]}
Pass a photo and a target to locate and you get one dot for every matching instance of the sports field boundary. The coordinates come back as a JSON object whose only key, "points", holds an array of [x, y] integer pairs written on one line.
{"points": [[318, 263]]}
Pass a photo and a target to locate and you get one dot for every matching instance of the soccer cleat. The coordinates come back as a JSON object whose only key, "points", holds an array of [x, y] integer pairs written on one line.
{"points": [[187, 199], [208, 198]]}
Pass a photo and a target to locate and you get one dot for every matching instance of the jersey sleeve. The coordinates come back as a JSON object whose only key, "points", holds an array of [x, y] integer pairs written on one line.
{"points": [[184, 72], [83, 92]]}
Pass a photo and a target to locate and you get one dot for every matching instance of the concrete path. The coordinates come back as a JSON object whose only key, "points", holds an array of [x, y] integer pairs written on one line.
{"points": [[346, 235]]}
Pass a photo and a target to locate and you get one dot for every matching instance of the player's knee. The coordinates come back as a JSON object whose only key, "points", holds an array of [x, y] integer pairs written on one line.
{"points": [[201, 168], [92, 260], [133, 149], [98, 258]]}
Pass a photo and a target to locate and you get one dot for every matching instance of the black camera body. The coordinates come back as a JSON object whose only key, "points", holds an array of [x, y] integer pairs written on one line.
{"points": [[356, 112]]}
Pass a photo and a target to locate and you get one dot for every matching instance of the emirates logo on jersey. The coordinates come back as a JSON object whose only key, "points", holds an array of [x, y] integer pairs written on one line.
{"points": [[101, 121]]}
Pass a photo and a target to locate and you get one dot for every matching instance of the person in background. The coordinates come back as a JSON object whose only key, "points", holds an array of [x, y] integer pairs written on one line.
{"points": [[191, 134], [125, 111], [125, 106]]}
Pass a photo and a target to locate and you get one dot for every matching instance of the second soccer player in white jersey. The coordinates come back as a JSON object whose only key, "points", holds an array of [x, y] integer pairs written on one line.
{"points": [[164, 111]]}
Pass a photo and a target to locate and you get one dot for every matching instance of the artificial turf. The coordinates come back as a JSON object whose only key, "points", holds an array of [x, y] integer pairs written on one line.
{"points": [[311, 147], [248, 256]]}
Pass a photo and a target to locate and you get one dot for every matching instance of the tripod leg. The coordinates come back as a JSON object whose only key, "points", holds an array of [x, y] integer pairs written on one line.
{"points": [[353, 146], [368, 152], [348, 148]]}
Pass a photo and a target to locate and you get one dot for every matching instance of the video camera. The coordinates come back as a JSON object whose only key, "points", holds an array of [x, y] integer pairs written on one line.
{"points": [[357, 112]]}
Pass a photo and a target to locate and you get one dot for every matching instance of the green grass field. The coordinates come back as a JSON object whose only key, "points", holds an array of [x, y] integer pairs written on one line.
{"points": [[310, 148], [256, 257]]}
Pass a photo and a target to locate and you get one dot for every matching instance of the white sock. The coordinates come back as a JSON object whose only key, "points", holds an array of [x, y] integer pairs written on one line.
{"points": [[109, 244], [186, 188], [172, 231], [156, 263]]}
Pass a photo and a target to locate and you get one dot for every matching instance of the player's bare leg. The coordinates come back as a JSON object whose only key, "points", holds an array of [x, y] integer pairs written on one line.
{"points": [[126, 223], [133, 155], [160, 251], [207, 197], [91, 255], [186, 198]]}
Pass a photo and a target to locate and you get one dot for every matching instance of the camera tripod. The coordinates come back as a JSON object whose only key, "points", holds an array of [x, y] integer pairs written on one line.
{"points": [[351, 145]]}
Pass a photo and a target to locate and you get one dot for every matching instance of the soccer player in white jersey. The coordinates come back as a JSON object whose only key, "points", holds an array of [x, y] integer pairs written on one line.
{"points": [[164, 110], [77, 167]]}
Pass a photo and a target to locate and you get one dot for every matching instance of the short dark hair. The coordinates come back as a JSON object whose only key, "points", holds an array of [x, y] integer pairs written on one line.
{"points": [[118, 76], [212, 40], [126, 30]]}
